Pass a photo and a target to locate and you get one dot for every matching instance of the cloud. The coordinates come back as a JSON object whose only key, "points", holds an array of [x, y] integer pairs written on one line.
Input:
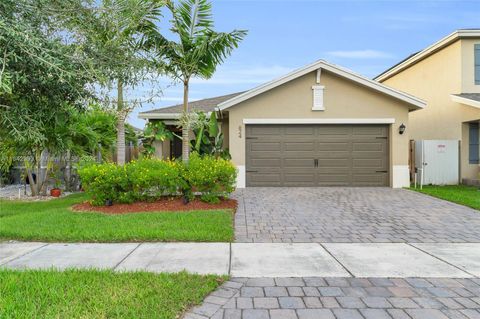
{"points": [[360, 54]]}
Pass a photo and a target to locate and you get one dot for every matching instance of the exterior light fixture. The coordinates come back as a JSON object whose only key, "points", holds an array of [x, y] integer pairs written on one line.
{"points": [[401, 129]]}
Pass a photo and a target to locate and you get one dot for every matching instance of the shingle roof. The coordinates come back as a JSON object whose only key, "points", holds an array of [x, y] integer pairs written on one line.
{"points": [[397, 64], [470, 96], [205, 105]]}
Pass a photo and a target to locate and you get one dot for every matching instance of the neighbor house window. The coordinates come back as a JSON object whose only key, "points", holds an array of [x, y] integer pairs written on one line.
{"points": [[474, 137], [477, 64]]}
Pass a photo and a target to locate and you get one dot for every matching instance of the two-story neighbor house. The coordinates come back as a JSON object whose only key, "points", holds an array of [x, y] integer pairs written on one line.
{"points": [[447, 76]]}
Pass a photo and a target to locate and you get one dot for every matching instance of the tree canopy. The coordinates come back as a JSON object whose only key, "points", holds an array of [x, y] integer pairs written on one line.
{"points": [[42, 76]]}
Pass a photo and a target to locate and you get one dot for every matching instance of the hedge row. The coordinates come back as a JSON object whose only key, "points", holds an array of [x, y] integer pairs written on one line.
{"points": [[150, 179]]}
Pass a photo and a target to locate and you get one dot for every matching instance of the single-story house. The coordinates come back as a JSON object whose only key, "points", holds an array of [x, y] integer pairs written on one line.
{"points": [[447, 76], [320, 125]]}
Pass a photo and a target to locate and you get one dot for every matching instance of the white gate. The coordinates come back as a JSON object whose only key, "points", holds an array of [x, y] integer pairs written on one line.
{"points": [[437, 162]]}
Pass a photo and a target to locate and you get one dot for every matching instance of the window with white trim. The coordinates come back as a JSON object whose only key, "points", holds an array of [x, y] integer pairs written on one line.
{"points": [[473, 141], [477, 64]]}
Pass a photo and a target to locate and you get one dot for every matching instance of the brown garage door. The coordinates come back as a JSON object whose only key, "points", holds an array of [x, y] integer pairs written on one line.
{"points": [[317, 155]]}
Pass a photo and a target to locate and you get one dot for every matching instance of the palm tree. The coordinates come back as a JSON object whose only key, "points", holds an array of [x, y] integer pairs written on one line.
{"points": [[197, 53]]}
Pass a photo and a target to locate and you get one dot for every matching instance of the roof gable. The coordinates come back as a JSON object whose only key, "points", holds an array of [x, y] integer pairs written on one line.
{"points": [[423, 54], [318, 66]]}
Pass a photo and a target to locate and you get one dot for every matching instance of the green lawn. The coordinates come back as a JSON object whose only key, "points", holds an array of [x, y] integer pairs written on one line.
{"points": [[54, 221], [100, 294], [460, 194]]}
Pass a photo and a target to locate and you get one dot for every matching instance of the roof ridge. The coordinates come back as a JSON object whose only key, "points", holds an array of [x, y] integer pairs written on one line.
{"points": [[163, 109]]}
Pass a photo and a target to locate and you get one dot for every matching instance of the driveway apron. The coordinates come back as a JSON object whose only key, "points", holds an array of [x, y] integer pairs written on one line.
{"points": [[350, 215]]}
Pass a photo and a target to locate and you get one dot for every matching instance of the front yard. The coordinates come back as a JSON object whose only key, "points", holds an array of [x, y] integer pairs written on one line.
{"points": [[55, 221], [100, 294], [460, 194]]}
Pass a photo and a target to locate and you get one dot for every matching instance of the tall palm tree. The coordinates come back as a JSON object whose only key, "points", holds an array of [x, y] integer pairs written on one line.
{"points": [[197, 53]]}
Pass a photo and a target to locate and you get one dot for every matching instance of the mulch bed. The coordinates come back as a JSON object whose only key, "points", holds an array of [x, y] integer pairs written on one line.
{"points": [[162, 205]]}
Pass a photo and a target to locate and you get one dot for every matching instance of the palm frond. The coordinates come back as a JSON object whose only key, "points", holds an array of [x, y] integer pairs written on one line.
{"points": [[215, 47], [199, 49], [195, 16]]}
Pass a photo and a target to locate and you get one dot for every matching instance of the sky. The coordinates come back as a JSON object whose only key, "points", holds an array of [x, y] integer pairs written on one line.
{"points": [[366, 36]]}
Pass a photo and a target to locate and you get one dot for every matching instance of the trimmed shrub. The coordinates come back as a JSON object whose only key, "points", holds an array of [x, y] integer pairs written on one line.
{"points": [[149, 179], [153, 178], [211, 177], [106, 182]]}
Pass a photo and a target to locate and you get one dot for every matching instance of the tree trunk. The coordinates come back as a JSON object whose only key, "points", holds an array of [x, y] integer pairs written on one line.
{"points": [[68, 172], [185, 128], [31, 183], [34, 168], [120, 125], [43, 174]]}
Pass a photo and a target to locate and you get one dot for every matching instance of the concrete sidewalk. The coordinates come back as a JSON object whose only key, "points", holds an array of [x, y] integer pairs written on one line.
{"points": [[387, 260]]}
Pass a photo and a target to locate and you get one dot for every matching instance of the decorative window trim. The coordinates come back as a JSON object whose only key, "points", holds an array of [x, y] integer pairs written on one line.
{"points": [[473, 143], [476, 63], [318, 104]]}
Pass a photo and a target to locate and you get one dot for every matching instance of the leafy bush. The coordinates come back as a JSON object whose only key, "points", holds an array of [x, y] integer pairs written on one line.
{"points": [[152, 178], [148, 179], [106, 182], [211, 177]]}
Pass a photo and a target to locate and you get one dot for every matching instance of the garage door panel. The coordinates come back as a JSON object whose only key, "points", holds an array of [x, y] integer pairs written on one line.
{"points": [[379, 179], [299, 178], [334, 163], [299, 146], [375, 131], [264, 179], [265, 146], [332, 155], [299, 130], [263, 130], [369, 146], [368, 163], [333, 146], [334, 130], [367, 155], [266, 162], [347, 155], [298, 163]]}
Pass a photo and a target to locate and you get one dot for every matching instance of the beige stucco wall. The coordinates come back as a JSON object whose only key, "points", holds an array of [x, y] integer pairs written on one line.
{"points": [[468, 69], [434, 79], [226, 132], [162, 149], [342, 99]]}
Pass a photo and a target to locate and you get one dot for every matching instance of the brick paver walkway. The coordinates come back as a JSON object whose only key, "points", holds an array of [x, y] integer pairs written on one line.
{"points": [[350, 215], [342, 298]]}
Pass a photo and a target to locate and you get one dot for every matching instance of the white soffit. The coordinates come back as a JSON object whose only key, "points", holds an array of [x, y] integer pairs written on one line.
{"points": [[463, 100]]}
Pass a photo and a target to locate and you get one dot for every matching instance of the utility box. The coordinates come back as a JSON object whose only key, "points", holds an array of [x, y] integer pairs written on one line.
{"points": [[437, 162]]}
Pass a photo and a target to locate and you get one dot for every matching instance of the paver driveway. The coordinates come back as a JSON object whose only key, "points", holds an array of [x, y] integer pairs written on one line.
{"points": [[350, 215], [342, 298]]}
